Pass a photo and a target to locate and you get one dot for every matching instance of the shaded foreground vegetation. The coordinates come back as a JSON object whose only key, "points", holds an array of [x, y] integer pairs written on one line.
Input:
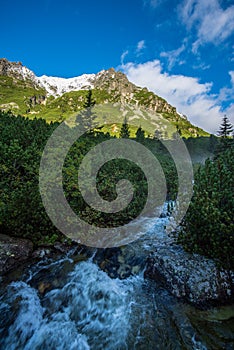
{"points": [[21, 209], [207, 228]]}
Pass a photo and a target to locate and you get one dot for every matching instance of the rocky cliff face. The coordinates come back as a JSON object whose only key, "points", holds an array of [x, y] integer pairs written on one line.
{"points": [[118, 85], [110, 80], [17, 71]]}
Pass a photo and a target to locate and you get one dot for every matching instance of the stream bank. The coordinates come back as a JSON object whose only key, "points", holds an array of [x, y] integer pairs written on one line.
{"points": [[189, 277]]}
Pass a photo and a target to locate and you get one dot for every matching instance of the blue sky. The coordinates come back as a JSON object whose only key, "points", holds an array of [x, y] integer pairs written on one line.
{"points": [[183, 50]]}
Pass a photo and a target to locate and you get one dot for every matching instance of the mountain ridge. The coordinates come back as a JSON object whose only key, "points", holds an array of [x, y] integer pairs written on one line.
{"points": [[55, 98]]}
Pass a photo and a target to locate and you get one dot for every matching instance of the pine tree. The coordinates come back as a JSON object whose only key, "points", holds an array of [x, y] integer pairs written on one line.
{"points": [[178, 131], [86, 118], [124, 131], [225, 133], [89, 103], [226, 128], [140, 134]]}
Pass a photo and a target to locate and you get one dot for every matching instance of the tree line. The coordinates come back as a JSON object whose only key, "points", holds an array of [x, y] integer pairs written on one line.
{"points": [[206, 229]]}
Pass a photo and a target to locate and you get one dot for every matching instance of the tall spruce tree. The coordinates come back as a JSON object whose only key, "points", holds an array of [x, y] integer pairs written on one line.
{"points": [[226, 138], [89, 102], [124, 131], [140, 134], [226, 128], [86, 118]]}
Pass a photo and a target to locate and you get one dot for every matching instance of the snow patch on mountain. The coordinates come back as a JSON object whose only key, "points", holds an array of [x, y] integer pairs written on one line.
{"points": [[57, 86], [183, 116], [53, 85], [25, 72], [16, 70]]}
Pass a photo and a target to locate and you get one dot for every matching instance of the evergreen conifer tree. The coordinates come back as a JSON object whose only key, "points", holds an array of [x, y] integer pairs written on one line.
{"points": [[140, 134], [86, 118], [226, 128], [225, 133], [124, 131]]}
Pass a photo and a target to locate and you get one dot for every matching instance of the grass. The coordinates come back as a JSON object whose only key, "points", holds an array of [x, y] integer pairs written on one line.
{"points": [[18, 92], [15, 97]]}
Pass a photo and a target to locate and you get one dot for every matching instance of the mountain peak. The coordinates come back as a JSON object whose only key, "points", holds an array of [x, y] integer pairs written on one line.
{"points": [[58, 86], [6, 65], [112, 80], [16, 70]]}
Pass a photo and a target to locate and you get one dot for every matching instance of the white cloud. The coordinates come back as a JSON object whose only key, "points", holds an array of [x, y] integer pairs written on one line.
{"points": [[124, 54], [232, 77], [173, 56], [226, 94], [212, 23], [140, 46], [202, 66], [230, 113], [187, 94]]}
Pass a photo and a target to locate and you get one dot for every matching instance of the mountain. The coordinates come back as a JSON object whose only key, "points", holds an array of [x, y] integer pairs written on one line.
{"points": [[17, 71], [58, 86], [54, 98]]}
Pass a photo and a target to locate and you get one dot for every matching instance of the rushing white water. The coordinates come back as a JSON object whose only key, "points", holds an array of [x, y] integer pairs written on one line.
{"points": [[70, 305], [88, 307], [91, 311]]}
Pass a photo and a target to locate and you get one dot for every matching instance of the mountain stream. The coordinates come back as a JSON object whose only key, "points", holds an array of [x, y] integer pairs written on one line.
{"points": [[72, 303]]}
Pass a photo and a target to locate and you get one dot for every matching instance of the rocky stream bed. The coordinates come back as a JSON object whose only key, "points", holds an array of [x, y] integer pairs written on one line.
{"points": [[151, 291]]}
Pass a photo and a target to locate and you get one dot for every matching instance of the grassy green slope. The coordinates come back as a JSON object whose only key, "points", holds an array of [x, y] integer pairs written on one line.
{"points": [[15, 97], [15, 94]]}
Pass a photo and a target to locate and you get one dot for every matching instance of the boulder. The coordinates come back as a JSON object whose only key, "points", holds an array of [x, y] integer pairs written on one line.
{"points": [[190, 276], [13, 251], [120, 262]]}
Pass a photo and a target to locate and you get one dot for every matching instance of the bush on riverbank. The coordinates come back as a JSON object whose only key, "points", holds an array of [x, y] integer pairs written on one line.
{"points": [[208, 227]]}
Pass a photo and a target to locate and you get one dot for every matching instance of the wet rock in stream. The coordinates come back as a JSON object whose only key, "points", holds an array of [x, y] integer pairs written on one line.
{"points": [[13, 251], [190, 276], [120, 262]]}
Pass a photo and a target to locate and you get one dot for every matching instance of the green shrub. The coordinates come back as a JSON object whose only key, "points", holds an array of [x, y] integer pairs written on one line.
{"points": [[208, 227]]}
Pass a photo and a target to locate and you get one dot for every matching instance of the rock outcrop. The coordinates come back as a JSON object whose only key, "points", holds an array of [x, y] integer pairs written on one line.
{"points": [[37, 100], [13, 251], [122, 90], [16, 70], [190, 276]]}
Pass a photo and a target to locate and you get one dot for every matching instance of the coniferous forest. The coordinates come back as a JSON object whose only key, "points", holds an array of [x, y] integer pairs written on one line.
{"points": [[207, 228]]}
